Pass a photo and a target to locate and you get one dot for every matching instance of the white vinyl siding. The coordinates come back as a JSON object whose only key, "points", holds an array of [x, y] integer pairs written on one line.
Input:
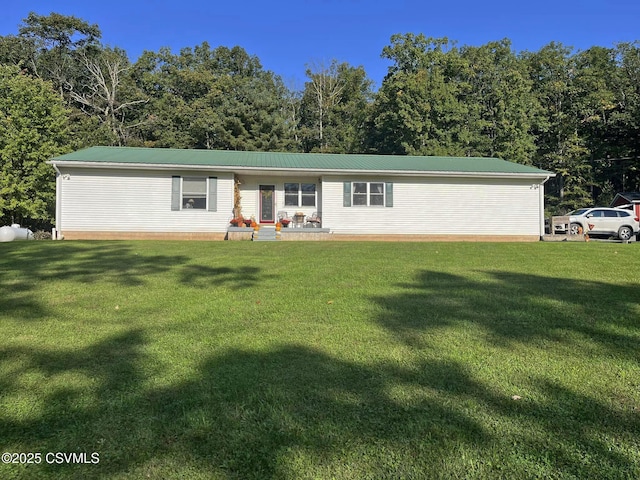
{"points": [[138, 201], [127, 200], [438, 206]]}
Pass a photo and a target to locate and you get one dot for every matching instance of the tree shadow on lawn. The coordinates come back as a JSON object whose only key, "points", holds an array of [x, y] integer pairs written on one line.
{"points": [[242, 415], [238, 278], [589, 317], [286, 413], [26, 267], [512, 307], [87, 262]]}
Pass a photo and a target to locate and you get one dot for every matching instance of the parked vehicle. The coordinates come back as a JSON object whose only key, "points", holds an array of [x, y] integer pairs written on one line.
{"points": [[602, 221], [635, 209]]}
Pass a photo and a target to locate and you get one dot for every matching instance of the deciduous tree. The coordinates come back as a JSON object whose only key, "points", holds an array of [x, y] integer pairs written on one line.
{"points": [[103, 88], [420, 108], [33, 128], [56, 37], [204, 98], [334, 108]]}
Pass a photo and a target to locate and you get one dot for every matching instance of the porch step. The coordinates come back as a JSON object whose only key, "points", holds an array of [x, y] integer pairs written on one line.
{"points": [[265, 234]]}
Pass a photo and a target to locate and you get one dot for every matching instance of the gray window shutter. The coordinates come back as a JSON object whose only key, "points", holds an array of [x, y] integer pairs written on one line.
{"points": [[388, 194], [213, 194], [175, 193], [346, 198]]}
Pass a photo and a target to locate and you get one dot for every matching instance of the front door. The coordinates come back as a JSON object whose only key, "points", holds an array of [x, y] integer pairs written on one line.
{"points": [[267, 200]]}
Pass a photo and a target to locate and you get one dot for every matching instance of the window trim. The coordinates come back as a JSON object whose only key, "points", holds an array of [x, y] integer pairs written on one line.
{"points": [[184, 195], [210, 195], [301, 194], [368, 193]]}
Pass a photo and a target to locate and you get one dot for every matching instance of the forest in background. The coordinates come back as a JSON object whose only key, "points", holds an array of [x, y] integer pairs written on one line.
{"points": [[576, 113]]}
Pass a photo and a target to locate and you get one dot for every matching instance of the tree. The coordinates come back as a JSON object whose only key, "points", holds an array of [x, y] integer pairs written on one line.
{"points": [[65, 50], [100, 90], [204, 98], [55, 38], [333, 108], [33, 128], [501, 104], [324, 88], [19, 51], [421, 106], [292, 108], [560, 146], [614, 129]]}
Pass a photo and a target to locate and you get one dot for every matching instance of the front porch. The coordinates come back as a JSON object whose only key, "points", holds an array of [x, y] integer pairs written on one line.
{"points": [[269, 197], [285, 234]]}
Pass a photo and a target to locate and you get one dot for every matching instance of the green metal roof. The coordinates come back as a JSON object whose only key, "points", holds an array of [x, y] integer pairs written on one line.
{"points": [[293, 161]]}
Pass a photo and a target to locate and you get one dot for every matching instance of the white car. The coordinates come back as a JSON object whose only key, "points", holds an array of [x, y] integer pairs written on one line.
{"points": [[602, 221]]}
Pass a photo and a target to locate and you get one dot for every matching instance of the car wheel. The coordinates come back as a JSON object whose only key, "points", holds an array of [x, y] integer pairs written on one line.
{"points": [[575, 229], [625, 233]]}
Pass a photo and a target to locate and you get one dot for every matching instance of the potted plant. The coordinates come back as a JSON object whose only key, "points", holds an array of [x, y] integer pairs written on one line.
{"points": [[285, 222], [236, 221]]}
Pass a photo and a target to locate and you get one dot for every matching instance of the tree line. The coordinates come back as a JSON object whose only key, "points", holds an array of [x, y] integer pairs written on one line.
{"points": [[574, 113]]}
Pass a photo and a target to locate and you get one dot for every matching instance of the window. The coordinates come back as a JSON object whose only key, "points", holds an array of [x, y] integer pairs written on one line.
{"points": [[308, 194], [368, 194], [291, 194], [194, 193], [359, 193], [376, 194], [300, 194]]}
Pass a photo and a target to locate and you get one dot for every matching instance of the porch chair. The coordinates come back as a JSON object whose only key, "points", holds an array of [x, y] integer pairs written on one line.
{"points": [[282, 215], [314, 220]]}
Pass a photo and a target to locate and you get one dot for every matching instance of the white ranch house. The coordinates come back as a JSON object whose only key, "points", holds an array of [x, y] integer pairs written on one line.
{"points": [[124, 193]]}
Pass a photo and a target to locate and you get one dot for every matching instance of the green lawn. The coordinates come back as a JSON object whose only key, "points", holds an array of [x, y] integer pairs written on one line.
{"points": [[321, 360]]}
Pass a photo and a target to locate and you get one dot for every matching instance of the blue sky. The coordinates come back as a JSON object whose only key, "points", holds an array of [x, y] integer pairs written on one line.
{"points": [[289, 34]]}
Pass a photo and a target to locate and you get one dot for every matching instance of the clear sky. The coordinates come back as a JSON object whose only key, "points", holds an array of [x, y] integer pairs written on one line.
{"points": [[286, 35]]}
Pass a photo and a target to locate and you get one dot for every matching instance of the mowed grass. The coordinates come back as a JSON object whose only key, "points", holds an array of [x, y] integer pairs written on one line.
{"points": [[321, 360]]}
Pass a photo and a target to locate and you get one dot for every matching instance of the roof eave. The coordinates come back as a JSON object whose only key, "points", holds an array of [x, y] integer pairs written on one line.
{"points": [[315, 171]]}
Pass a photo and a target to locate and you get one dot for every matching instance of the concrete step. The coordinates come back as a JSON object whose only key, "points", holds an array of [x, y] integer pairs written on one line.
{"points": [[266, 234]]}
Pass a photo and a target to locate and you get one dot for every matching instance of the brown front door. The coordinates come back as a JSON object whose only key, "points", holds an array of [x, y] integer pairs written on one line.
{"points": [[267, 203]]}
